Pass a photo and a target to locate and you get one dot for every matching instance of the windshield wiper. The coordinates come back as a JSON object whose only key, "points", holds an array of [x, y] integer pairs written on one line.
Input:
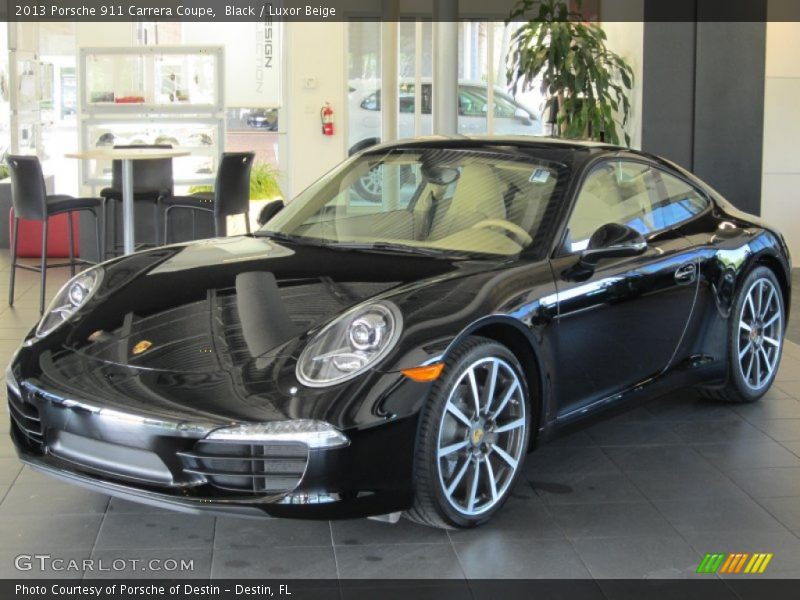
{"points": [[288, 237], [367, 247], [399, 248]]}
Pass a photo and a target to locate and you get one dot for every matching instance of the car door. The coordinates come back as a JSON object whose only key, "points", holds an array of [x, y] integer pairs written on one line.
{"points": [[620, 323]]}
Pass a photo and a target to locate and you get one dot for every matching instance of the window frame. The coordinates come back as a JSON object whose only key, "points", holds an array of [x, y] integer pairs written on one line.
{"points": [[560, 250]]}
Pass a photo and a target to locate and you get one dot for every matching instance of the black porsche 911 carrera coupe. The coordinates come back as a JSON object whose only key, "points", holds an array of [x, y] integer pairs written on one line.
{"points": [[361, 358]]}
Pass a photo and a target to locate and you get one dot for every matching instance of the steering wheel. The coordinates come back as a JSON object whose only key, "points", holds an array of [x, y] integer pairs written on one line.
{"points": [[515, 230]]}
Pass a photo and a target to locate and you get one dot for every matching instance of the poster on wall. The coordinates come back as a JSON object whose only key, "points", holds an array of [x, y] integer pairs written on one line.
{"points": [[252, 59]]}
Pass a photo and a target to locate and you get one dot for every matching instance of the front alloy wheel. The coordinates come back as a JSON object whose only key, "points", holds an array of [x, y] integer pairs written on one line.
{"points": [[473, 437]]}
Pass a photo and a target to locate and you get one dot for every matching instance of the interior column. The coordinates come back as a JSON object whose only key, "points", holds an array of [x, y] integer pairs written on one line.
{"points": [[445, 67]]}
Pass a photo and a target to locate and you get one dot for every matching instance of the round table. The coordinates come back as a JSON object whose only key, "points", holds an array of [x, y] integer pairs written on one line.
{"points": [[127, 156]]}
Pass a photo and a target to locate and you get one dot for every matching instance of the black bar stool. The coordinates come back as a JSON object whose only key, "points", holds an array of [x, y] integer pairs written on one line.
{"points": [[231, 195], [152, 179], [31, 202]]}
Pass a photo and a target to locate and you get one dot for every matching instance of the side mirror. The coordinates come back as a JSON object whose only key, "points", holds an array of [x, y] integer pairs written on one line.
{"points": [[270, 210], [613, 240]]}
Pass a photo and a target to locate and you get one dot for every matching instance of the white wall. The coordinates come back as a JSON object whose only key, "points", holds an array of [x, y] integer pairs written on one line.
{"points": [[780, 190], [627, 40], [248, 82], [107, 33], [23, 35], [314, 51]]}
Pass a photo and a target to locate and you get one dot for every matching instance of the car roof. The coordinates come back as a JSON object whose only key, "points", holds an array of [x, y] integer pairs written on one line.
{"points": [[374, 88], [495, 141], [376, 81]]}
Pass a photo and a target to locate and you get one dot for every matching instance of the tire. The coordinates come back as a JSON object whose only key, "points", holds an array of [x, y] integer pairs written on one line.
{"points": [[755, 339], [446, 493]]}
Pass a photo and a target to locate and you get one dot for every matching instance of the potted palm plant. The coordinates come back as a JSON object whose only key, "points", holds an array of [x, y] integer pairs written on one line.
{"points": [[585, 83], [264, 187]]}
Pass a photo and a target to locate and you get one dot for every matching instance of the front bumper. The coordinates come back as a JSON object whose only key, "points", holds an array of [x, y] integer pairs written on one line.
{"points": [[189, 466]]}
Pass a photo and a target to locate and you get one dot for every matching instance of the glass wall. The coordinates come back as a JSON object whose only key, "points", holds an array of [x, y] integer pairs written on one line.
{"points": [[482, 71], [522, 112], [473, 100], [363, 84], [482, 51], [416, 66], [58, 102]]}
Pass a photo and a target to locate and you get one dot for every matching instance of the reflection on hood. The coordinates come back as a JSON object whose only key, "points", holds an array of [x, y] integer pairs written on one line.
{"points": [[219, 355], [231, 326]]}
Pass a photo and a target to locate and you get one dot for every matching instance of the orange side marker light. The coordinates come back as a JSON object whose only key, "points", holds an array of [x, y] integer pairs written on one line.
{"points": [[424, 374]]}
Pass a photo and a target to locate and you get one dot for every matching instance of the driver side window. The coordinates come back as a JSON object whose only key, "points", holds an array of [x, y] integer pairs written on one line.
{"points": [[633, 194], [614, 192]]}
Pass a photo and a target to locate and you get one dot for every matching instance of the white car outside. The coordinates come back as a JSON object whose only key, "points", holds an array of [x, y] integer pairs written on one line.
{"points": [[510, 117]]}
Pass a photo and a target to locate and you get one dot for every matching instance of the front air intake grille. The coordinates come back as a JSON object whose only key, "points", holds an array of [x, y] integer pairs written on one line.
{"points": [[257, 468], [25, 417]]}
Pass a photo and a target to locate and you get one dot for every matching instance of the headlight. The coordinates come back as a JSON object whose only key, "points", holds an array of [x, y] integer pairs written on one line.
{"points": [[75, 293], [345, 348]]}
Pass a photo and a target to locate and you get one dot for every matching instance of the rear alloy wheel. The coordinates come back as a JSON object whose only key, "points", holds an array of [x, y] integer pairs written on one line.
{"points": [[756, 339], [760, 332], [473, 437]]}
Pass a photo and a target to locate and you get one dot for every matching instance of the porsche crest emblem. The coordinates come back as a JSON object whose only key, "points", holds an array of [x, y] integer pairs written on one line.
{"points": [[477, 436], [142, 346]]}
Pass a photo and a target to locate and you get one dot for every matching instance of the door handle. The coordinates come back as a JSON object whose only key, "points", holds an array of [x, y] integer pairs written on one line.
{"points": [[686, 274]]}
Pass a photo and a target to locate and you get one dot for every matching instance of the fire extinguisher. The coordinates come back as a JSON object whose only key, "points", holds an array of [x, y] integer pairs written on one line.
{"points": [[326, 116]]}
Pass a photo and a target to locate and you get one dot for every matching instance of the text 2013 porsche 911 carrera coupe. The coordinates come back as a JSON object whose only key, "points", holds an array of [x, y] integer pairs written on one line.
{"points": [[356, 358]]}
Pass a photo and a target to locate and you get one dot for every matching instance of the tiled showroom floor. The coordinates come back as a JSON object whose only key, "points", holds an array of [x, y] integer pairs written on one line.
{"points": [[645, 494]]}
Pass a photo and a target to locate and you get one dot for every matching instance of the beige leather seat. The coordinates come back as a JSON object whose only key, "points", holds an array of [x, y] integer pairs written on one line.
{"points": [[592, 211], [477, 197]]}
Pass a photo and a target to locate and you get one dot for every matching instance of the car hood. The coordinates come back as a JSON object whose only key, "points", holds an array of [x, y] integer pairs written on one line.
{"points": [[174, 308], [211, 331]]}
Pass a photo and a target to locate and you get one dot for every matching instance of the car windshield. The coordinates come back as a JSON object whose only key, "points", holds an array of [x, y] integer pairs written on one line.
{"points": [[429, 200]]}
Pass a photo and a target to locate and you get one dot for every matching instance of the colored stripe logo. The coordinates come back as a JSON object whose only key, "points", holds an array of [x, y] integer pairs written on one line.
{"points": [[737, 562]]}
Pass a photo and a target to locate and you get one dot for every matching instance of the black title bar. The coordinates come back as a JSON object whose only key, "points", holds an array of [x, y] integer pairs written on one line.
{"points": [[744, 588], [342, 10]]}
